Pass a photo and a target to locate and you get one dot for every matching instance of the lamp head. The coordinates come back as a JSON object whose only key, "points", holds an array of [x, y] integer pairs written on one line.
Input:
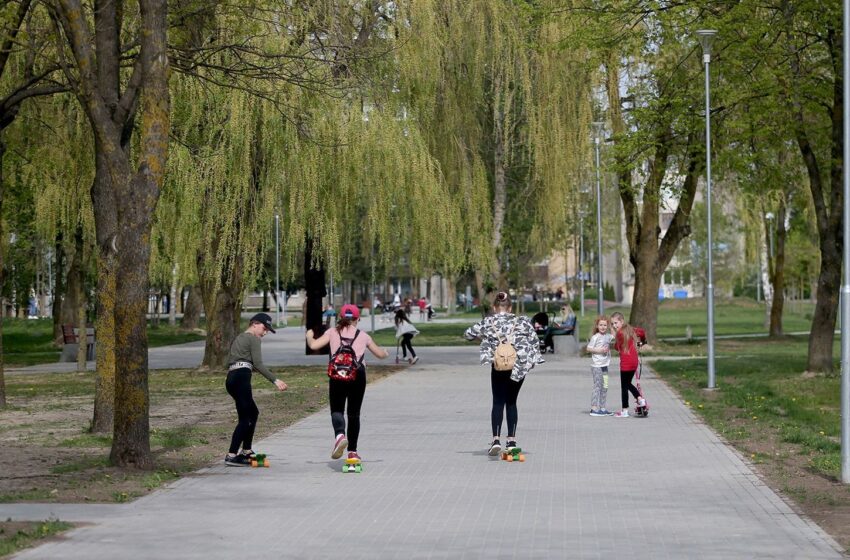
{"points": [[769, 216], [598, 129], [706, 39]]}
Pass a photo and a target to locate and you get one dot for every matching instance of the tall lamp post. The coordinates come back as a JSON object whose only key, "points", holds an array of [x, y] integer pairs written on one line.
{"points": [[706, 38], [277, 268], [598, 128], [845, 286]]}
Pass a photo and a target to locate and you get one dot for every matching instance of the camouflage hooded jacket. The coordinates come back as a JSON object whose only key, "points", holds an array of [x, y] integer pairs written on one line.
{"points": [[497, 328]]}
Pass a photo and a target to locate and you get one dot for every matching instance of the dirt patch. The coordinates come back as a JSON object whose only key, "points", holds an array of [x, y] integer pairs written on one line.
{"points": [[46, 426]]}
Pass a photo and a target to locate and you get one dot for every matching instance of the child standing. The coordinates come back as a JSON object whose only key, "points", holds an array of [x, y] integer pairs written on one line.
{"points": [[626, 344], [405, 331], [600, 355]]}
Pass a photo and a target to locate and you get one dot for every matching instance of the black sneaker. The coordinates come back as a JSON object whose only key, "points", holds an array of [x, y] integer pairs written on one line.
{"points": [[495, 448], [510, 445], [237, 461], [248, 453]]}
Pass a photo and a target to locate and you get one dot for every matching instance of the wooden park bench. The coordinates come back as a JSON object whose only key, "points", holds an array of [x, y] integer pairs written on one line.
{"points": [[71, 343]]}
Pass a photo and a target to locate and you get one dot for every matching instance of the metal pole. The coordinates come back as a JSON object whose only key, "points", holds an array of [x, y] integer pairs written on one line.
{"points": [[599, 287], [277, 267], [710, 277], [581, 262], [845, 287], [372, 303]]}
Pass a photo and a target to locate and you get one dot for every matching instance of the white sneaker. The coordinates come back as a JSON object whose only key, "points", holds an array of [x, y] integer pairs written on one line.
{"points": [[641, 401], [340, 443], [622, 414]]}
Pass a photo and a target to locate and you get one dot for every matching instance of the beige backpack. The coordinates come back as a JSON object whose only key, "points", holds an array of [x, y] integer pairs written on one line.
{"points": [[504, 358]]}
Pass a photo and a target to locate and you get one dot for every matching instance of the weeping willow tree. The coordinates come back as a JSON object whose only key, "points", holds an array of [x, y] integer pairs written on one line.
{"points": [[504, 109]]}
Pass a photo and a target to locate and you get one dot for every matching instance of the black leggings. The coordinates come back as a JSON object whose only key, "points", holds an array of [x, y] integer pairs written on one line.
{"points": [[627, 387], [505, 393], [406, 345], [238, 385], [353, 391]]}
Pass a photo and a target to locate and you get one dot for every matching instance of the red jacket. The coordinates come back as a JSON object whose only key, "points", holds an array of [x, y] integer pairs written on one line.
{"points": [[629, 360]]}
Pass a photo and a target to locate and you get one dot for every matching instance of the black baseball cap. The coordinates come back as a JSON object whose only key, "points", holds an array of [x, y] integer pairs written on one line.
{"points": [[264, 319]]}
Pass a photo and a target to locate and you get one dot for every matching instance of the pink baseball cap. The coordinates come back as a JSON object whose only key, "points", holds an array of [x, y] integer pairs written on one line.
{"points": [[350, 311]]}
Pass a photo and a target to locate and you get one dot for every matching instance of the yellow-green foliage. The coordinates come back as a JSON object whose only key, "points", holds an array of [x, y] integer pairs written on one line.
{"points": [[474, 69], [58, 164]]}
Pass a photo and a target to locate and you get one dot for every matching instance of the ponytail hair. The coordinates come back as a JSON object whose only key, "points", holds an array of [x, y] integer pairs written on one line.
{"points": [[343, 322], [502, 300]]}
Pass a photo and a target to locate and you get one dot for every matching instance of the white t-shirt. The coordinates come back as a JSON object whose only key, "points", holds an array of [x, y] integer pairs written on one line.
{"points": [[600, 340]]}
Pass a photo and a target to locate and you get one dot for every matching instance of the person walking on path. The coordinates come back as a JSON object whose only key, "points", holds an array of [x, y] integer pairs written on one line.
{"points": [[600, 357], [626, 343], [405, 331], [496, 332], [339, 391], [245, 356]]}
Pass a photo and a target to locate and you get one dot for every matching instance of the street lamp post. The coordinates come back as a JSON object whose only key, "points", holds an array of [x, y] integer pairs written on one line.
{"points": [[581, 261], [277, 268], [706, 38], [845, 286], [598, 128]]}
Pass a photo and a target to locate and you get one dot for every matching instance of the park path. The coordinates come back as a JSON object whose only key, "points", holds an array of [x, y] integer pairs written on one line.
{"points": [[596, 488]]}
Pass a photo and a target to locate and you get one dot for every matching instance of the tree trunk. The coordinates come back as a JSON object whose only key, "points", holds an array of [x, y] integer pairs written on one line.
{"points": [[192, 309], [82, 333], [777, 277], [223, 308], [314, 285], [74, 289], [645, 301], [172, 299], [822, 335], [103, 416], [58, 290], [131, 438], [2, 280]]}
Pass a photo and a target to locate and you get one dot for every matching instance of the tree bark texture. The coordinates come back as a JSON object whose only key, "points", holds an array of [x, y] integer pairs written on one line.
{"points": [[2, 280], [192, 309], [223, 305]]}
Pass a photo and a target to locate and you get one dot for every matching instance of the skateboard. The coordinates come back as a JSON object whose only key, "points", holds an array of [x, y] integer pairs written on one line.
{"points": [[352, 465], [514, 454], [260, 460]]}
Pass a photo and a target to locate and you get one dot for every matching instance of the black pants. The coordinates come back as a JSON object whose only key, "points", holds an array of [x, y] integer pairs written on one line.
{"points": [[352, 391], [406, 345], [238, 385], [627, 387], [505, 393]]}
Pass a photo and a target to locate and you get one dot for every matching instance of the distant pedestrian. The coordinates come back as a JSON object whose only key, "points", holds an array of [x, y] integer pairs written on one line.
{"points": [[245, 356], [405, 331], [510, 346], [626, 343], [345, 336], [600, 357]]}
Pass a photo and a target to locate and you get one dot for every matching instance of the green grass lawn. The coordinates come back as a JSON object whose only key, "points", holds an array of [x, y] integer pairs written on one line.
{"points": [[760, 387], [740, 316], [30, 341], [430, 334]]}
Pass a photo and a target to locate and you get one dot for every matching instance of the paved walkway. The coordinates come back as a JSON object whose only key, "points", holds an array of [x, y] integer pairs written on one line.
{"points": [[661, 487]]}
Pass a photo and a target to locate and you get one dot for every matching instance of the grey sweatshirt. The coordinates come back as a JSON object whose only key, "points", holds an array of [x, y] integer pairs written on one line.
{"points": [[246, 348]]}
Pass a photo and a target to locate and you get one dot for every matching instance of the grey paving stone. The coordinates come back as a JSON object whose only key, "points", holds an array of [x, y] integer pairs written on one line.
{"points": [[661, 487]]}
